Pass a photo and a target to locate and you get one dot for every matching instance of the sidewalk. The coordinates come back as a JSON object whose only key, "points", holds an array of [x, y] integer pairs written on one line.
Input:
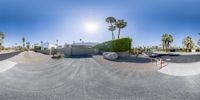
{"points": [[181, 69]]}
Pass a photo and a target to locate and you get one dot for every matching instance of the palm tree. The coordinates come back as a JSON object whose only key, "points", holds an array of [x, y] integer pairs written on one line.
{"points": [[111, 28], [188, 43], [198, 40], [57, 42], [41, 42], [81, 40], [2, 36], [166, 40], [27, 45], [23, 41], [120, 24]]}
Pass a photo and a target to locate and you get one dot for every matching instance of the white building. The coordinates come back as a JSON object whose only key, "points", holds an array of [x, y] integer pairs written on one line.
{"points": [[89, 44], [79, 49], [48, 46]]}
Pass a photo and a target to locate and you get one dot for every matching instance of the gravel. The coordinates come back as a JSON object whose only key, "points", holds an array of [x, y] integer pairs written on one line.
{"points": [[30, 57]]}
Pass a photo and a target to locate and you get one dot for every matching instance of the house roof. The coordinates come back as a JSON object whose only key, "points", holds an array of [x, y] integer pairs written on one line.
{"points": [[85, 44]]}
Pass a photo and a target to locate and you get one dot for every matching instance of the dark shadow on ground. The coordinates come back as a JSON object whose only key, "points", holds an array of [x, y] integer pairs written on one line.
{"points": [[8, 55], [182, 58], [175, 58], [133, 59], [79, 56], [157, 55]]}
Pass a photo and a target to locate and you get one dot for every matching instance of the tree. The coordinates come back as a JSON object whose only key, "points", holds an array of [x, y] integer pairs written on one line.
{"points": [[23, 41], [81, 40], [120, 24], [166, 40], [41, 42], [37, 47], [198, 43], [27, 45], [111, 28], [188, 43], [57, 42], [2, 36]]}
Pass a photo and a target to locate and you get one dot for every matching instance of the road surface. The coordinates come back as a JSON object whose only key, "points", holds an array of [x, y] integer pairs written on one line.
{"points": [[88, 79], [5, 56]]}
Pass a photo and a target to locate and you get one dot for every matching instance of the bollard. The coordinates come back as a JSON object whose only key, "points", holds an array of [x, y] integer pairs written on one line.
{"points": [[161, 62]]}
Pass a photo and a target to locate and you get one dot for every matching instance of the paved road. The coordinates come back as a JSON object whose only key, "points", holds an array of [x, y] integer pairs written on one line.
{"points": [[7, 55], [183, 58], [88, 79]]}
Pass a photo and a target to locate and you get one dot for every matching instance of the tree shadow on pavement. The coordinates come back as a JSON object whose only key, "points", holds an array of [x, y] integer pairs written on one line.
{"points": [[79, 56], [133, 59]]}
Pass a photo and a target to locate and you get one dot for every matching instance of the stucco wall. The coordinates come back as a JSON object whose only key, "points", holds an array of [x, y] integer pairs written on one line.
{"points": [[78, 51], [66, 51], [75, 51]]}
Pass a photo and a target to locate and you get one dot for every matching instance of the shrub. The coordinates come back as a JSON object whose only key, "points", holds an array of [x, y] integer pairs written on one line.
{"points": [[180, 50], [58, 56], [53, 51], [36, 48], [117, 45], [172, 50], [139, 50]]}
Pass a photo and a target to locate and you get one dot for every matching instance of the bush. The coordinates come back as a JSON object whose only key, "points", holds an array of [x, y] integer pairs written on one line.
{"points": [[180, 50], [1, 48], [53, 51], [172, 50], [136, 51], [117, 45], [58, 56], [36, 48]]}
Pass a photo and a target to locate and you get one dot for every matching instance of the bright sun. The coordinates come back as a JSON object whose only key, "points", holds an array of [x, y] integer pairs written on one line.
{"points": [[91, 27]]}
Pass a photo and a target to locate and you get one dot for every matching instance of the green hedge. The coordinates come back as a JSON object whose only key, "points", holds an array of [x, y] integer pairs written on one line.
{"points": [[117, 45], [36, 48]]}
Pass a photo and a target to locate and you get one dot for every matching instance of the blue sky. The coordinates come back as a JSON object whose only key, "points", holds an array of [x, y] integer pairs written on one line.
{"points": [[64, 20]]}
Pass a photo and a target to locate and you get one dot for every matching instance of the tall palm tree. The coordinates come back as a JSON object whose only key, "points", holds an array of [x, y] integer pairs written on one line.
{"points": [[41, 42], [2, 36], [198, 40], [27, 45], [111, 28], [188, 43], [120, 24], [81, 40], [57, 42], [166, 40], [23, 41]]}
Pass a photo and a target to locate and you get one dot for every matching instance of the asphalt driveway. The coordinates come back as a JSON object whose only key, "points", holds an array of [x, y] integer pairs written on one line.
{"points": [[5, 56], [87, 79]]}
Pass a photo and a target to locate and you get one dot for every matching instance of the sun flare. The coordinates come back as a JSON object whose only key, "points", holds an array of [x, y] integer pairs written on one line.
{"points": [[91, 27]]}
